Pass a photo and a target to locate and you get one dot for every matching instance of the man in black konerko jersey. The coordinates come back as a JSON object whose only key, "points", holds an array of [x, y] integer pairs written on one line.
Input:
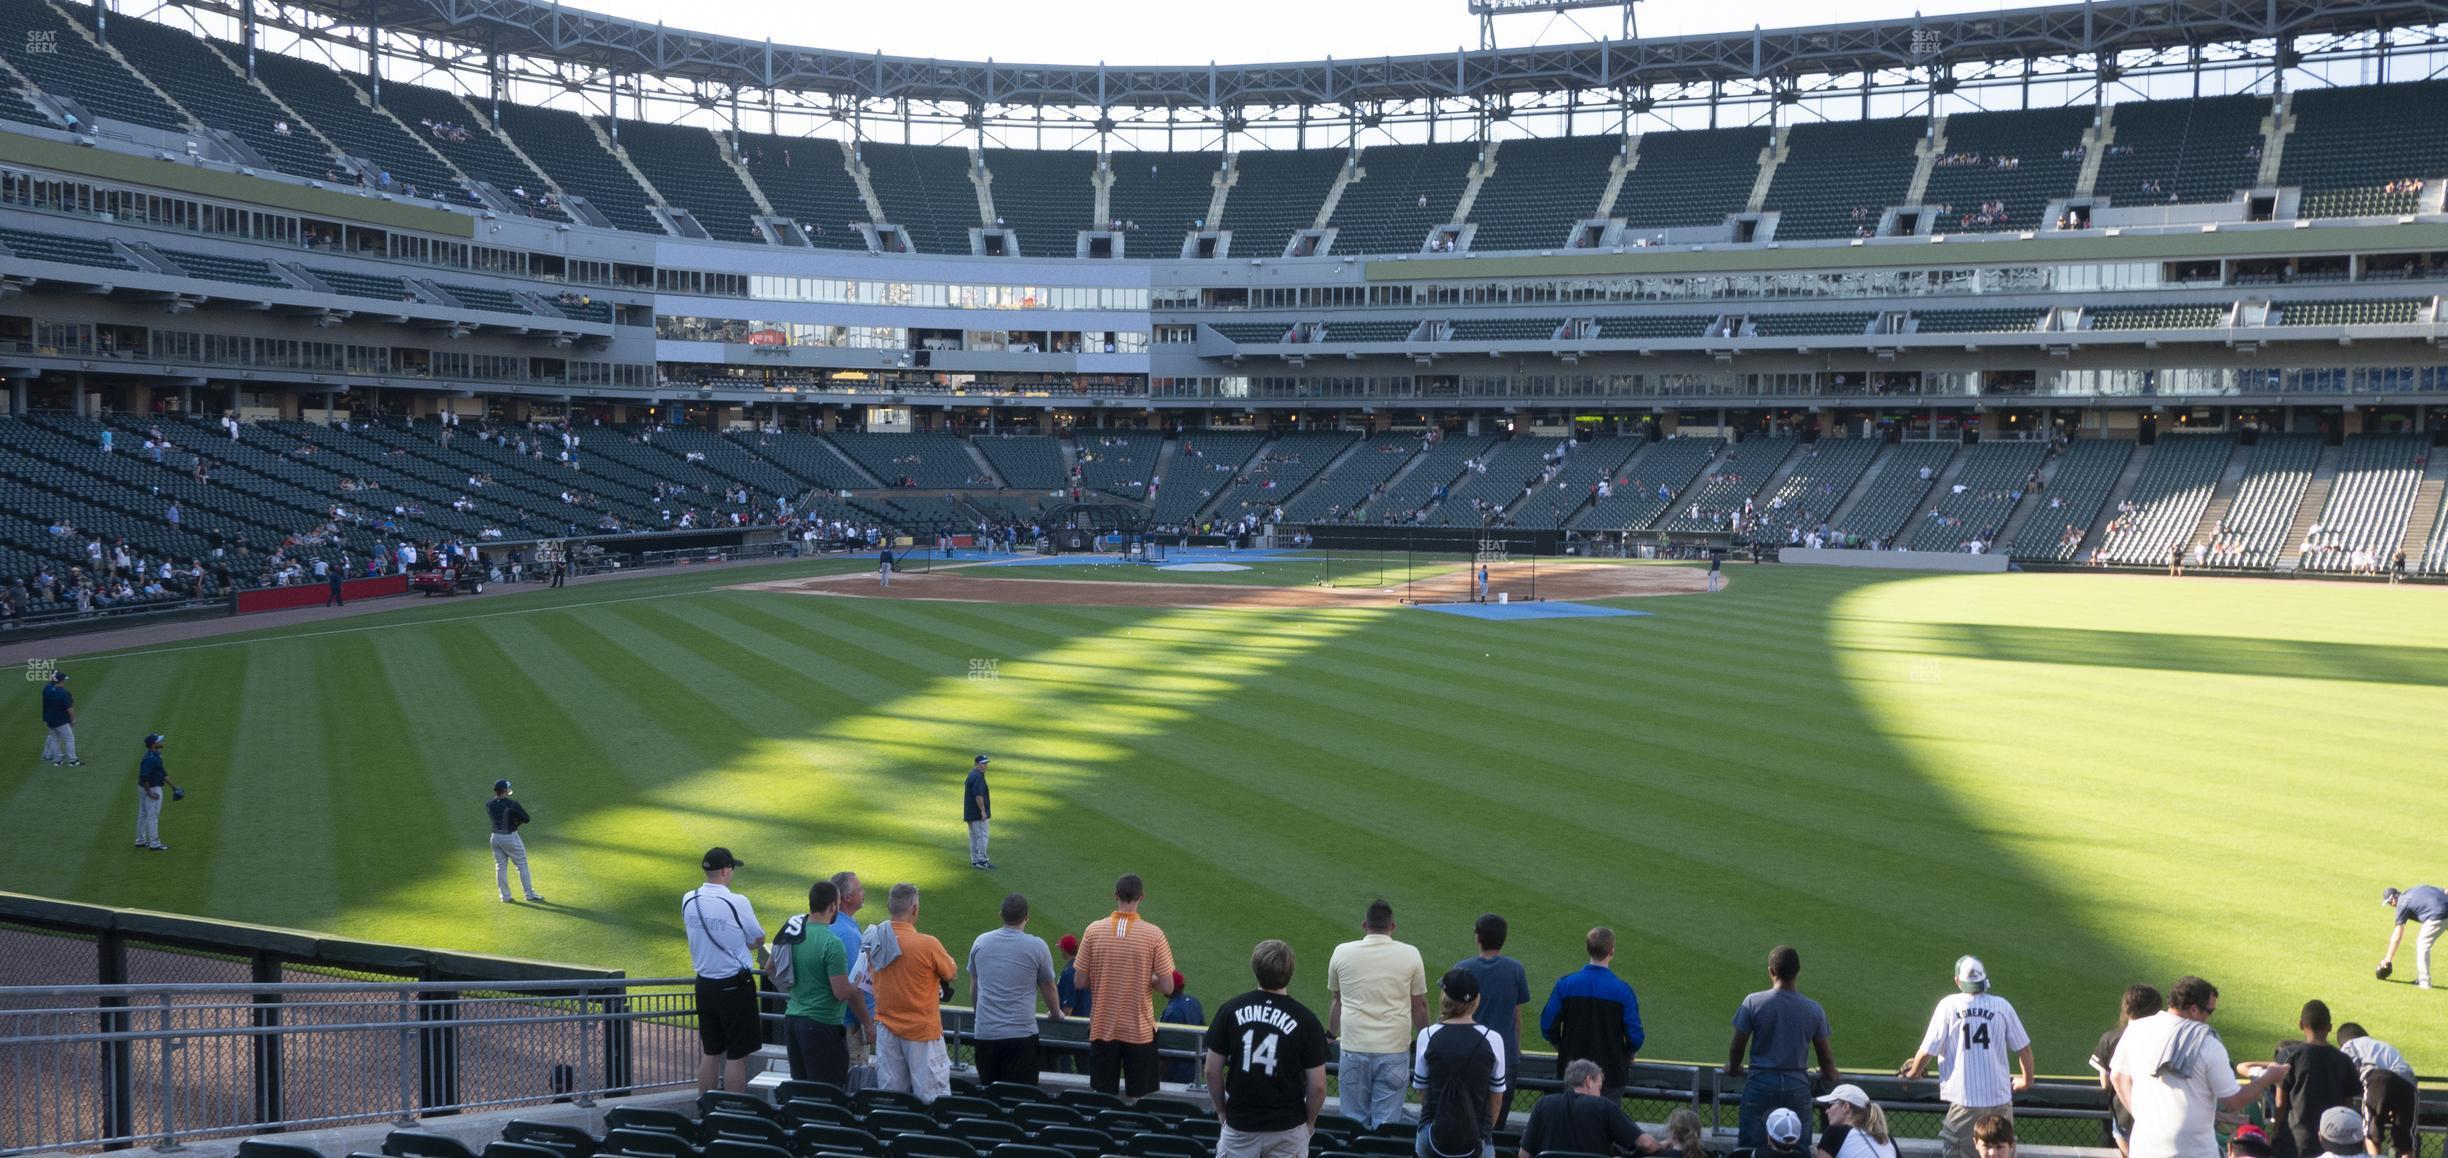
{"points": [[1266, 1065]]}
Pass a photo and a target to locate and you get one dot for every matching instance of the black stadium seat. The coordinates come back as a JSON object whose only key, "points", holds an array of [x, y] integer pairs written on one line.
{"points": [[518, 1150], [891, 1122], [746, 1127], [644, 1143], [795, 1089], [645, 1118], [1078, 1140], [805, 1112], [1038, 1115], [570, 1141], [836, 1140], [1017, 1150], [743, 1148], [258, 1148], [1162, 1146], [728, 1101], [928, 1146], [952, 1106], [985, 1133], [419, 1144], [875, 1098]]}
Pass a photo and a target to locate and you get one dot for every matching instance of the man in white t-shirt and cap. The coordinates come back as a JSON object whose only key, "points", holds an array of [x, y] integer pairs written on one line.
{"points": [[2174, 1074], [1972, 1033]]}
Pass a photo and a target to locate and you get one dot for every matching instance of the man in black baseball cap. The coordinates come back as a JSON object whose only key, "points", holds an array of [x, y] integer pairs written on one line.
{"points": [[723, 940], [59, 722], [976, 810], [506, 815]]}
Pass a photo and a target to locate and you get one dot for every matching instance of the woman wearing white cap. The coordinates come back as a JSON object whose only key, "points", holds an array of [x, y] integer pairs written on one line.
{"points": [[1857, 1127]]}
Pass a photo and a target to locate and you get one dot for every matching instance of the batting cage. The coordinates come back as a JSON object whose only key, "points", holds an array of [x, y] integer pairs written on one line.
{"points": [[1433, 564], [1122, 530]]}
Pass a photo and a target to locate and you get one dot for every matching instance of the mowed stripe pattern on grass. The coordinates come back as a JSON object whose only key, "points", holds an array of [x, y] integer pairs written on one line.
{"points": [[1762, 766]]}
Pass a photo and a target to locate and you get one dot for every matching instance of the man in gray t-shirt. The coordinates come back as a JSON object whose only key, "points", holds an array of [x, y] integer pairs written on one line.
{"points": [[1008, 971], [1780, 1028]]}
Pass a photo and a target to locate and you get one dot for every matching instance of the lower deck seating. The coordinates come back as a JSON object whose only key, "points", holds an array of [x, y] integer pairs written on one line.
{"points": [[2062, 513], [1894, 494], [1655, 476], [1719, 500], [1975, 505], [2363, 523], [1027, 462], [2277, 469], [2167, 501], [1824, 473]]}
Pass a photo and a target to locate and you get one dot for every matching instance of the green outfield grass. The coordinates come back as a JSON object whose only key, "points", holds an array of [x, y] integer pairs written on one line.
{"points": [[2086, 779]]}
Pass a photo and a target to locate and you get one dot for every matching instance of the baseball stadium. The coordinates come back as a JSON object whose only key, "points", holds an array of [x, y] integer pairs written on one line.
{"points": [[1945, 508]]}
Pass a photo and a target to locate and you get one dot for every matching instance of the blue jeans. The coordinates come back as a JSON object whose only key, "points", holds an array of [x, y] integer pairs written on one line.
{"points": [[1765, 1090], [1372, 1086]]}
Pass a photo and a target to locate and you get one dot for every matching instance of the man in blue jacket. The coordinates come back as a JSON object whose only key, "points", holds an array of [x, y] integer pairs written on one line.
{"points": [[59, 722], [1593, 1014]]}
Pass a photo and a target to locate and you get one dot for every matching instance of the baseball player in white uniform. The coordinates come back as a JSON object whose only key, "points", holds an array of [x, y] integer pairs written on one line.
{"points": [[1971, 1033]]}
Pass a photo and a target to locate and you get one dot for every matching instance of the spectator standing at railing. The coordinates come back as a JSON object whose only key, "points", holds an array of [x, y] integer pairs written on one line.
{"points": [[822, 1001], [1972, 1033], [1595, 1014], [1377, 996], [1504, 987], [909, 989], [2175, 1075], [2319, 1076], [851, 897], [1122, 958], [1781, 1029], [1008, 971], [723, 940], [1266, 1065], [2388, 1090], [2140, 1001]]}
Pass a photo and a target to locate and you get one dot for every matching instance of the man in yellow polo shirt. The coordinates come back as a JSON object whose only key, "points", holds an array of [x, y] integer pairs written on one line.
{"points": [[1122, 959], [1378, 994]]}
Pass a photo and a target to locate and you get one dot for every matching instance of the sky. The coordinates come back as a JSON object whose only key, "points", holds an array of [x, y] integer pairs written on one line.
{"points": [[1137, 31]]}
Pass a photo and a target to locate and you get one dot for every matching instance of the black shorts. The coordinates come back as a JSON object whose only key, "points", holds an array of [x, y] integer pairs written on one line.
{"points": [[1124, 1067], [727, 1016], [2388, 1107], [1008, 1059]]}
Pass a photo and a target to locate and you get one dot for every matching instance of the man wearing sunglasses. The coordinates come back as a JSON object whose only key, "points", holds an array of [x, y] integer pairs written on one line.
{"points": [[2174, 1074]]}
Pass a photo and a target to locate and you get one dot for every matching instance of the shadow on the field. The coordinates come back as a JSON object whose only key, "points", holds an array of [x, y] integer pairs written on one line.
{"points": [[2222, 655]]}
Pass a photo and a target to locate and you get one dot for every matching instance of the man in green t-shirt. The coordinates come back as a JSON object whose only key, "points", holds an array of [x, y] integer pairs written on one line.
{"points": [[813, 1028]]}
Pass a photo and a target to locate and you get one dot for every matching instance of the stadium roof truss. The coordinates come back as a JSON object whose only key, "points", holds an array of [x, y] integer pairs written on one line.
{"points": [[492, 43]]}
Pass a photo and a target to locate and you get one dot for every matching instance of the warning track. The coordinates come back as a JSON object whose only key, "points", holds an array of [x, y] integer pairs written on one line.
{"points": [[1556, 580]]}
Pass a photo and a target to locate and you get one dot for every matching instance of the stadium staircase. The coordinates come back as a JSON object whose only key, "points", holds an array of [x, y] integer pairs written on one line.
{"points": [[2124, 489], [2423, 522], [2095, 143], [1617, 169], [654, 197], [1927, 153], [1863, 484], [986, 470], [1771, 159], [2275, 129], [2222, 499], [2308, 507]]}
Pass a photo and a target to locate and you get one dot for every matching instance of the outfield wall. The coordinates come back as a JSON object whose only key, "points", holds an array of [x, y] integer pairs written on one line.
{"points": [[1955, 562]]}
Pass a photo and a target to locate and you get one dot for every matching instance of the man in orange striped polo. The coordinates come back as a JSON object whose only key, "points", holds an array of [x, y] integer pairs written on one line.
{"points": [[1122, 959]]}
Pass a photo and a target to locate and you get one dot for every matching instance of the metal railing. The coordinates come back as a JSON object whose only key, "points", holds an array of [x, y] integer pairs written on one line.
{"points": [[118, 1065]]}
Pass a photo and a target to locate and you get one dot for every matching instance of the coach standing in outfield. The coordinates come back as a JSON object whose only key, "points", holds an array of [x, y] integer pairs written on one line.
{"points": [[1266, 1065], [1377, 993], [59, 722], [151, 778], [2423, 903], [723, 939], [1972, 1032], [1781, 1028], [508, 849], [1122, 958], [977, 809]]}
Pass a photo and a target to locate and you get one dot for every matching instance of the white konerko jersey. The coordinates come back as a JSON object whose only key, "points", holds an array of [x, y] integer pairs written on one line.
{"points": [[1975, 1037]]}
